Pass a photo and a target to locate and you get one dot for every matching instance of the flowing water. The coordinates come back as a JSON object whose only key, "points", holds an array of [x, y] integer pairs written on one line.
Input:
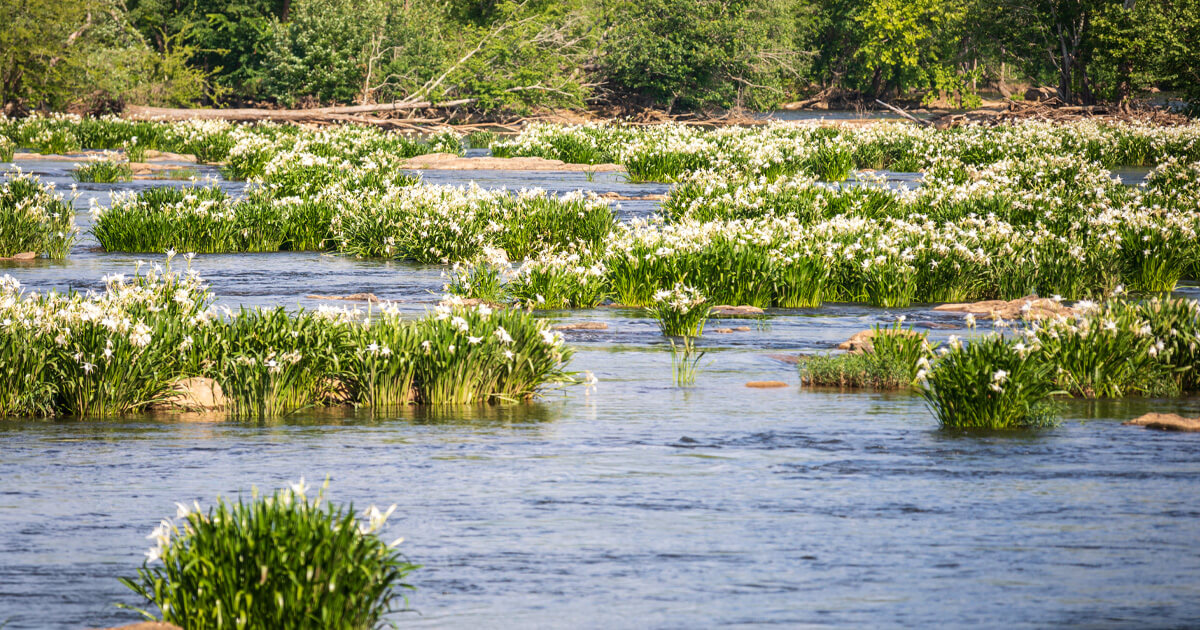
{"points": [[633, 503]]}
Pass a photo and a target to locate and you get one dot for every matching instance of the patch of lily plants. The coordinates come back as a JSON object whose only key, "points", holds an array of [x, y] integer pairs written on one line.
{"points": [[34, 218], [671, 152], [1048, 225], [109, 168], [997, 381], [129, 348], [244, 149]]}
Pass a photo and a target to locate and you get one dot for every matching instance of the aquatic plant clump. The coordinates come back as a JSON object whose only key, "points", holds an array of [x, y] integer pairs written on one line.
{"points": [[448, 223], [989, 384], [673, 152], [33, 218], [893, 359], [106, 169], [681, 311], [283, 561], [128, 348], [202, 219]]}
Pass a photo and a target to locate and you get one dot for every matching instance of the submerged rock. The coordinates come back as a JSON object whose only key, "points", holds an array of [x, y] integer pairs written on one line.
{"points": [[582, 326], [790, 359], [452, 162], [619, 197], [1030, 307], [353, 297], [22, 256], [725, 310], [147, 625], [725, 331], [1166, 422], [196, 394], [766, 384]]}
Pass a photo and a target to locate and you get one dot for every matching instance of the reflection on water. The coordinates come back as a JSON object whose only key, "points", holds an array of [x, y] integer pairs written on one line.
{"points": [[636, 503]]}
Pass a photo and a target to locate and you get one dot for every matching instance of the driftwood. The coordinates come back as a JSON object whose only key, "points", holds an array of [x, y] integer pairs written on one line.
{"points": [[903, 113], [336, 114]]}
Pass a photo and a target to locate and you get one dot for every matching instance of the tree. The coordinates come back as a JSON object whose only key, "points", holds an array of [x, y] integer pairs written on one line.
{"points": [[695, 53]]}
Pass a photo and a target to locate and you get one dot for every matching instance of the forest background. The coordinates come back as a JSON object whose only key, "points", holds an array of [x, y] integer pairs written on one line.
{"points": [[512, 57]]}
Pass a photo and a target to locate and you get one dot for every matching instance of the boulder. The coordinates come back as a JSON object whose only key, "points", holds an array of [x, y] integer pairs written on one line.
{"points": [[725, 310], [196, 394], [861, 341], [582, 326], [1166, 422], [766, 384], [353, 297], [1029, 307]]}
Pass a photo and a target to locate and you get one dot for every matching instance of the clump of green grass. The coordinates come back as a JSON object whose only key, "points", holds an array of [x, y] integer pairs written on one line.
{"points": [[680, 311], [33, 218], [481, 139], [989, 384], [481, 279], [892, 360], [55, 141], [283, 561], [855, 371], [557, 280], [104, 170], [446, 142], [1113, 350], [201, 219], [134, 151]]}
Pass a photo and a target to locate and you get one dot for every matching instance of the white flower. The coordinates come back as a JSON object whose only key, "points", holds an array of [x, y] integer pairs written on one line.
{"points": [[299, 488], [970, 320]]}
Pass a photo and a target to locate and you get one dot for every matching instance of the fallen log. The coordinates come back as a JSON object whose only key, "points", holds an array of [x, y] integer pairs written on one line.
{"points": [[904, 113], [346, 113]]}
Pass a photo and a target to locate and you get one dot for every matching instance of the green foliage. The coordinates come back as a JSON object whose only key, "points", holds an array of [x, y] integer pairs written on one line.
{"points": [[989, 384], [55, 54], [695, 53], [893, 360], [855, 371], [126, 349], [283, 561], [106, 170], [681, 311], [33, 218]]}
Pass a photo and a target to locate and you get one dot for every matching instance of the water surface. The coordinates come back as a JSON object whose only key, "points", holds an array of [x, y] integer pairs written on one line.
{"points": [[634, 503]]}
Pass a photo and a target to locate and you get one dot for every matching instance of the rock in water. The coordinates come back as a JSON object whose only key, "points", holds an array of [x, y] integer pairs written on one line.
{"points": [[1030, 307], [1166, 422], [725, 310], [353, 297], [197, 394], [861, 341], [582, 326]]}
